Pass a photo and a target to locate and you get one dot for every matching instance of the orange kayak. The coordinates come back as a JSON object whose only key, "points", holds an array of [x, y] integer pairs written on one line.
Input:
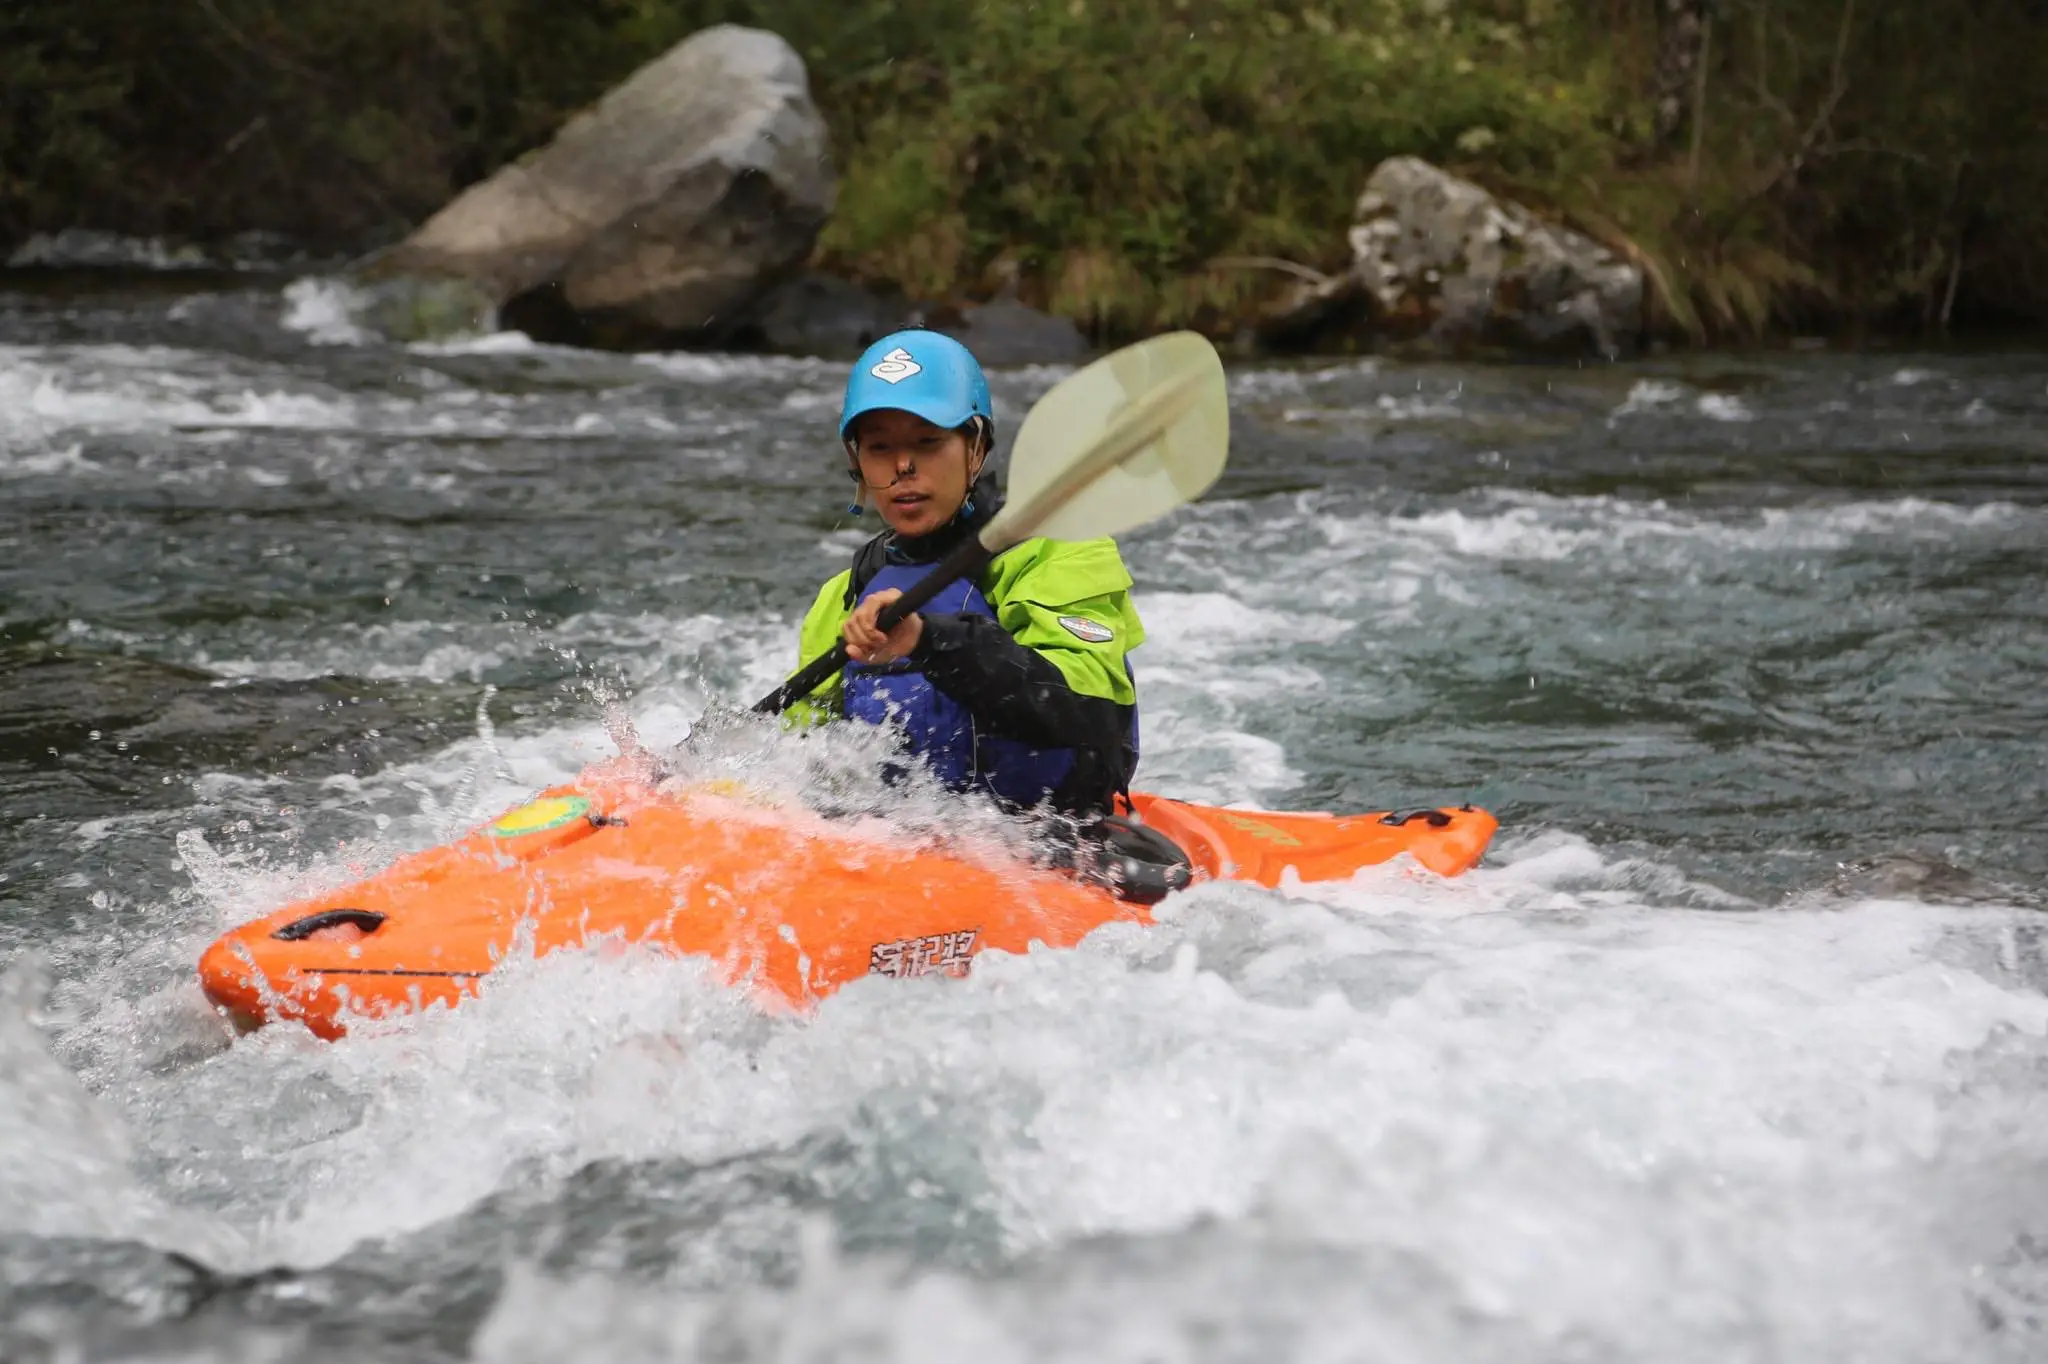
{"points": [[790, 905]]}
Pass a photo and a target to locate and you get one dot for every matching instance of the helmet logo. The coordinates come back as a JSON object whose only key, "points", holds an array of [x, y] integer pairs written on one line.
{"points": [[895, 367]]}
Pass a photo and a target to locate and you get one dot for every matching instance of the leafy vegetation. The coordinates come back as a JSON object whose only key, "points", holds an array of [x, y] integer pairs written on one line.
{"points": [[1130, 163]]}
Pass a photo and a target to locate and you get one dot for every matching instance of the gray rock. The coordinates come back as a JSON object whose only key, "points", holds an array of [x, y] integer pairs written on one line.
{"points": [[815, 314], [1914, 876], [1006, 332], [1438, 259], [411, 308], [661, 212]]}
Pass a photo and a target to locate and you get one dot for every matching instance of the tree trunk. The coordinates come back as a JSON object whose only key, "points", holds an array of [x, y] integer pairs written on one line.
{"points": [[1680, 47]]}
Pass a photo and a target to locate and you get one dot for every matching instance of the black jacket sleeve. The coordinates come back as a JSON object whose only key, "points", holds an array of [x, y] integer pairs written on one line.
{"points": [[1018, 693]]}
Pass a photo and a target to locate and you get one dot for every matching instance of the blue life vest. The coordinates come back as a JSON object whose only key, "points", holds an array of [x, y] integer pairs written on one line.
{"points": [[935, 726]]}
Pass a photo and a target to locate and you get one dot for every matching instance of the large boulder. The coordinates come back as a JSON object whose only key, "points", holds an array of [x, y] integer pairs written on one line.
{"points": [[1439, 260], [1006, 332], [659, 214], [813, 314]]}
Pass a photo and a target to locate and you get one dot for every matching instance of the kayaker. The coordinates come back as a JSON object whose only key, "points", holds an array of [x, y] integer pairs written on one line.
{"points": [[1018, 684]]}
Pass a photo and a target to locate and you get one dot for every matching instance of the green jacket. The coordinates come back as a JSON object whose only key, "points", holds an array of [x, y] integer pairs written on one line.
{"points": [[1029, 587]]}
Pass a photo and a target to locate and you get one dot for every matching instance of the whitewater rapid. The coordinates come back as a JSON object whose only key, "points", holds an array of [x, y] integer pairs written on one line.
{"points": [[1674, 1075]]}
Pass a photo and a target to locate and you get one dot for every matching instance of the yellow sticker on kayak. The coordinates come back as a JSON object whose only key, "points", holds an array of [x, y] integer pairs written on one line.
{"points": [[1261, 829], [534, 817]]}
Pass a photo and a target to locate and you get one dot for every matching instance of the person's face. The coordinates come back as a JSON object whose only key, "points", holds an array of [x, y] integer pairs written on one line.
{"points": [[917, 474]]}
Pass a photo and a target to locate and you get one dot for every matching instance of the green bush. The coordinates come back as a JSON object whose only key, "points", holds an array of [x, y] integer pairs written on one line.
{"points": [[1113, 151], [1130, 163]]}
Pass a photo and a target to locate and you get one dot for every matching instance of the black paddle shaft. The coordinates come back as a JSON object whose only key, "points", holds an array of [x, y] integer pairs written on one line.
{"points": [[964, 562]]}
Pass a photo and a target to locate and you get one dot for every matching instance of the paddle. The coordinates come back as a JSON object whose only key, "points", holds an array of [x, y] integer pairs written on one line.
{"points": [[1135, 434]]}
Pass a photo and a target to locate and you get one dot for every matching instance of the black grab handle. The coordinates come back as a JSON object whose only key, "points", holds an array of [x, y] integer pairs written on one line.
{"points": [[964, 562]]}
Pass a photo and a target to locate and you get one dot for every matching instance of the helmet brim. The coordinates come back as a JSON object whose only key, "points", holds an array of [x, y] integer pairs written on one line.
{"points": [[949, 415]]}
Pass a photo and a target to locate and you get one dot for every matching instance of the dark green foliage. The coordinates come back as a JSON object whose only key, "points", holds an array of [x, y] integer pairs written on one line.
{"points": [[335, 121], [1862, 159], [1130, 163]]}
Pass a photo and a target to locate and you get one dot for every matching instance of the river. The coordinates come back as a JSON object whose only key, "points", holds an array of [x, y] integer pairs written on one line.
{"points": [[1734, 1049]]}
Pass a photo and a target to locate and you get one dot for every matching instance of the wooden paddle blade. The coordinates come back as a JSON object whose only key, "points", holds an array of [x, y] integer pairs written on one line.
{"points": [[1129, 438]]}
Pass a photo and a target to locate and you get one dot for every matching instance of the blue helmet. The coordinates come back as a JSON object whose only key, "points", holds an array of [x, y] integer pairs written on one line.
{"points": [[925, 373]]}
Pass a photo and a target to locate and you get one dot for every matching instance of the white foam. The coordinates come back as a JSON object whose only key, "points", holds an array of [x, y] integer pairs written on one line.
{"points": [[1579, 1115], [86, 248], [277, 410], [1536, 526], [1724, 407], [1518, 533], [38, 404], [1403, 407], [489, 343], [1257, 384], [63, 459], [1201, 626], [1660, 396], [655, 653], [51, 396], [1915, 516], [415, 653], [66, 1153], [324, 310], [1650, 395], [1529, 1111], [48, 392], [1415, 406], [807, 401], [711, 368], [1547, 1108]]}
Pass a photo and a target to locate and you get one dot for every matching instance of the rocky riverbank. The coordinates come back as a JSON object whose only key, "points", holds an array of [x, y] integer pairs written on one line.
{"points": [[1558, 176]]}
